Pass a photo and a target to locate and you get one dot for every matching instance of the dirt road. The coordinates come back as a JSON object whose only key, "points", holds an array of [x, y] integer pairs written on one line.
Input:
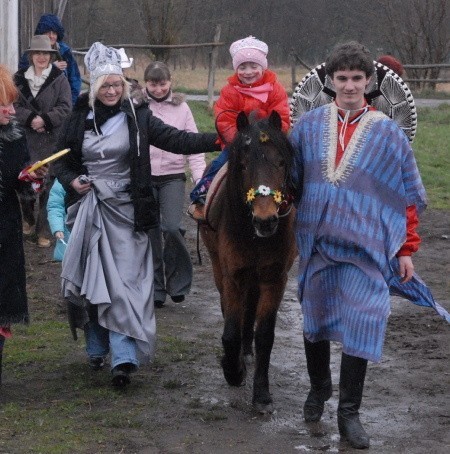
{"points": [[182, 404]]}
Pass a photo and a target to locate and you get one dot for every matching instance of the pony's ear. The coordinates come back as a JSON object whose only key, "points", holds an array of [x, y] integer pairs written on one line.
{"points": [[242, 121], [275, 119]]}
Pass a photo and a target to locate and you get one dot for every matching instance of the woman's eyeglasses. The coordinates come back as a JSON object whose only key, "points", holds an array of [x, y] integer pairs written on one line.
{"points": [[116, 86]]}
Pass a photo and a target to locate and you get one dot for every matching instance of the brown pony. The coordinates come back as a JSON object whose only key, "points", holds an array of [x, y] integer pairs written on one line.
{"points": [[252, 248]]}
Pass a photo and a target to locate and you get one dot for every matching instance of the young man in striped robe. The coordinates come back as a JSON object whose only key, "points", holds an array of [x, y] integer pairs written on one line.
{"points": [[359, 192]]}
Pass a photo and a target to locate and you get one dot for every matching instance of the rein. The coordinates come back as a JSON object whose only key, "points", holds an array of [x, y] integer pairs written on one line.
{"points": [[221, 137]]}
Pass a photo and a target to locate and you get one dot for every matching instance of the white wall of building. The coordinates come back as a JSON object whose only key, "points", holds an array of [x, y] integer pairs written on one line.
{"points": [[9, 33]]}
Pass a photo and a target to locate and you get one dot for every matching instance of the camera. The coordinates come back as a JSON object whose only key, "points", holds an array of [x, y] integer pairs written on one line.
{"points": [[84, 179]]}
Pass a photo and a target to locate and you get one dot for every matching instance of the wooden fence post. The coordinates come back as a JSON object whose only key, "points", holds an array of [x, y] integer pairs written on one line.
{"points": [[212, 67], [293, 69]]}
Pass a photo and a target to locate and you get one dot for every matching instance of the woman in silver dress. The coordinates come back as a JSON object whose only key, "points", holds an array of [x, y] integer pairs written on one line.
{"points": [[107, 275]]}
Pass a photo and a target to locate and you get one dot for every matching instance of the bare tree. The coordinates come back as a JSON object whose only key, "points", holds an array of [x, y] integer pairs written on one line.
{"points": [[162, 22], [419, 32]]}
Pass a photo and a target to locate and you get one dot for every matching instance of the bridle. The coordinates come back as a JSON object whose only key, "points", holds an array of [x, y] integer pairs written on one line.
{"points": [[282, 201]]}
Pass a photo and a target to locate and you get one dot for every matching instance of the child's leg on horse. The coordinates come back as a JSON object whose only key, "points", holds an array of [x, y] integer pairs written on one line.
{"points": [[198, 194]]}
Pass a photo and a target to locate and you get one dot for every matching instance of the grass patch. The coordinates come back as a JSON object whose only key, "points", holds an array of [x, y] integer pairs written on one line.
{"points": [[203, 115], [432, 150], [432, 94]]}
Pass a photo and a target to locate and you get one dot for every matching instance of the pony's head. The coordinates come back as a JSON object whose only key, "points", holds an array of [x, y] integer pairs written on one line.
{"points": [[259, 172]]}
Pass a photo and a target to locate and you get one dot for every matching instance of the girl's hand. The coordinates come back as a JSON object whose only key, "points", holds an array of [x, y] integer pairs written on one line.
{"points": [[59, 235]]}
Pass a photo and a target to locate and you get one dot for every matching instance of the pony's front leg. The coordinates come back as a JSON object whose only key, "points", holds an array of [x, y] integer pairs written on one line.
{"points": [[270, 298], [249, 324], [264, 337], [233, 364]]}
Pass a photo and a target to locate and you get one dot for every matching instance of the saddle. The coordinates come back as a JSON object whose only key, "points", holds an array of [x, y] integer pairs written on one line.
{"points": [[214, 200]]}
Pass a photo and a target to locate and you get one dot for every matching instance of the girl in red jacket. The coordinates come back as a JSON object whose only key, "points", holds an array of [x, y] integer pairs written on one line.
{"points": [[252, 88]]}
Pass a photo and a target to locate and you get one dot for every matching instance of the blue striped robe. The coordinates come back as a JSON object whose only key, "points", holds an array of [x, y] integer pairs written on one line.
{"points": [[351, 221]]}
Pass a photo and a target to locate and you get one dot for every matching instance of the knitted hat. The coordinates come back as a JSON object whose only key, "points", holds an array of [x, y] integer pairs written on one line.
{"points": [[125, 61], [101, 61], [249, 49], [50, 23], [40, 43]]}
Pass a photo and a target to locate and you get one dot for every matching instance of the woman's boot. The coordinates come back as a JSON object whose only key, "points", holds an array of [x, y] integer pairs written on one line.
{"points": [[353, 372], [318, 364]]}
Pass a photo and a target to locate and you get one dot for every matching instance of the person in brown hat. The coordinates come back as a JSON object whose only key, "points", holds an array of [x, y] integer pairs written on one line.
{"points": [[51, 26], [44, 103]]}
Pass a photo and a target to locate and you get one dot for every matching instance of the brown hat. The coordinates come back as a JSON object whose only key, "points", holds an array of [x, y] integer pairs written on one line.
{"points": [[40, 43]]}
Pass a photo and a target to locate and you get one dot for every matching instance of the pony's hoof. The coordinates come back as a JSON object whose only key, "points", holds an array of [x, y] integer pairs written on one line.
{"points": [[263, 408], [235, 376], [235, 379]]}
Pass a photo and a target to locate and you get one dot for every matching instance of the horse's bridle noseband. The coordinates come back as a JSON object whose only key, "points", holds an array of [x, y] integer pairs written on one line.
{"points": [[278, 197]]}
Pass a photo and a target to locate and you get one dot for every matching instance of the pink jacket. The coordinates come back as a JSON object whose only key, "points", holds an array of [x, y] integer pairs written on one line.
{"points": [[175, 112]]}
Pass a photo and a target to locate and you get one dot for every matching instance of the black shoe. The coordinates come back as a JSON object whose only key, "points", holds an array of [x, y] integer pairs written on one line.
{"points": [[96, 362], [178, 298], [315, 402], [351, 429], [121, 375], [159, 304]]}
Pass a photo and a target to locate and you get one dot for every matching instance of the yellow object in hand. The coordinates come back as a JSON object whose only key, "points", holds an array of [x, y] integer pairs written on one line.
{"points": [[51, 158]]}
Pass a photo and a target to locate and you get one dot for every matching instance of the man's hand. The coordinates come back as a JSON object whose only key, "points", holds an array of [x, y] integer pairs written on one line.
{"points": [[406, 268]]}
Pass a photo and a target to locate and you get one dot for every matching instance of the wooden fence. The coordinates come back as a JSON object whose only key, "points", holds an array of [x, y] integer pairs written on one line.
{"points": [[214, 46], [417, 83]]}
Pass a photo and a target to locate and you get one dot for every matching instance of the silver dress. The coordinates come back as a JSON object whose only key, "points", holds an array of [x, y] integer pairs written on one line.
{"points": [[106, 262]]}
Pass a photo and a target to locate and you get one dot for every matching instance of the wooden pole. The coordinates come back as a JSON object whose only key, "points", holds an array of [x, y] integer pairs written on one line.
{"points": [[212, 66], [60, 7], [293, 70]]}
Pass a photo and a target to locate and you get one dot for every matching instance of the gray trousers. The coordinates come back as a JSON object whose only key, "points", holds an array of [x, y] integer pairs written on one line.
{"points": [[171, 260]]}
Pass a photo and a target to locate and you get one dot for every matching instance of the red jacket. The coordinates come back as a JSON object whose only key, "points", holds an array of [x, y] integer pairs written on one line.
{"points": [[231, 102]]}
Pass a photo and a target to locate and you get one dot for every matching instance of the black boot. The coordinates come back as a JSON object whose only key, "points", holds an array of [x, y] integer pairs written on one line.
{"points": [[353, 373], [318, 364], [121, 375]]}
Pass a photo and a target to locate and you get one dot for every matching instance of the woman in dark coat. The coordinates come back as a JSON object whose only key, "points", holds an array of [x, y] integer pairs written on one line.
{"points": [[13, 158], [107, 271], [43, 105]]}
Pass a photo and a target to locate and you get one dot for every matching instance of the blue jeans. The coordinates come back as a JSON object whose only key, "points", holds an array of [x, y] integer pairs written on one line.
{"points": [[100, 340], [171, 260], [201, 188]]}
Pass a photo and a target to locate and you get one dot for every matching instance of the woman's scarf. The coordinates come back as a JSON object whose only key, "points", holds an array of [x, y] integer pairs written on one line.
{"points": [[102, 114], [35, 82], [261, 92]]}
